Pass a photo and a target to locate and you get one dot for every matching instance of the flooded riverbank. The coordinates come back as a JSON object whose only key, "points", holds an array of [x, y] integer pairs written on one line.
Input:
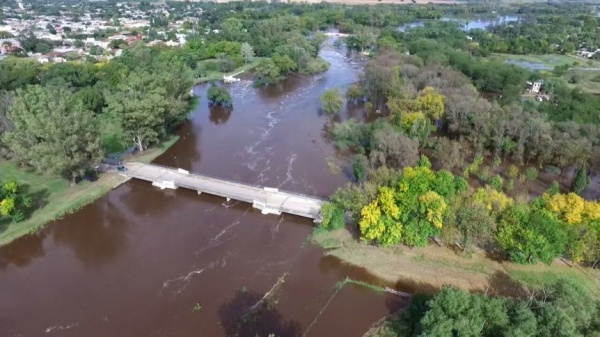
{"points": [[138, 261]]}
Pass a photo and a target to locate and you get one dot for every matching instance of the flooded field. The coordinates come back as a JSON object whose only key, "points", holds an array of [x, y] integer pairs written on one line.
{"points": [[146, 262]]}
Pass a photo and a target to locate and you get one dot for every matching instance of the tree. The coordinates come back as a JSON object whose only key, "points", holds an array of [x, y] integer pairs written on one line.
{"points": [[316, 41], [117, 44], [360, 166], [284, 63], [458, 313], [267, 73], [13, 203], [53, 132], [529, 235], [581, 180], [332, 216], [140, 102], [247, 52], [394, 149], [219, 95], [472, 223], [354, 93], [431, 103], [331, 101]]}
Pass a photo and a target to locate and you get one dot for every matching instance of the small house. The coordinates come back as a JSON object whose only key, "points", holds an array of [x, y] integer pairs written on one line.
{"points": [[535, 87]]}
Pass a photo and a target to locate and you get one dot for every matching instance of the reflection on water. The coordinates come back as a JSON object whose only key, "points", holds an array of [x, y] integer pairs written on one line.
{"points": [[466, 24], [136, 262], [219, 114]]}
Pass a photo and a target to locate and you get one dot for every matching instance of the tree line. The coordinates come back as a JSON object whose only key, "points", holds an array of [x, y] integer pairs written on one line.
{"points": [[398, 198], [561, 309], [63, 118]]}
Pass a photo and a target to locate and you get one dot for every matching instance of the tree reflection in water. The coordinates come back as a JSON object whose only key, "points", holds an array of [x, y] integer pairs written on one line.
{"points": [[219, 114]]}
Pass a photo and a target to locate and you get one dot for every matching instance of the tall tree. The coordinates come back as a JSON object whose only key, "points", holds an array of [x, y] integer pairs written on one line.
{"points": [[53, 132], [247, 52], [331, 101], [140, 102]]}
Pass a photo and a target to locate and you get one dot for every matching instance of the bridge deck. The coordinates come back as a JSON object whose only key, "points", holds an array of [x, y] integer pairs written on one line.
{"points": [[269, 200]]}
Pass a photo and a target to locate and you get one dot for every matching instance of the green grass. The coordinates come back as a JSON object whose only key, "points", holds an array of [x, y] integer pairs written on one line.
{"points": [[551, 60], [53, 196], [217, 75], [536, 280]]}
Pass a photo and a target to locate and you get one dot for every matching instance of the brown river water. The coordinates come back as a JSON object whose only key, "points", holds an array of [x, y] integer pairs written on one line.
{"points": [[137, 261]]}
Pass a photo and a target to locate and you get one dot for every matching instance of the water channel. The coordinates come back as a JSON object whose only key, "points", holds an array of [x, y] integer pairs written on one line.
{"points": [[139, 260], [464, 24]]}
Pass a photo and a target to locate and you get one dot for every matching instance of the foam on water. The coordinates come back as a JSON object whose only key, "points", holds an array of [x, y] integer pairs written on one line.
{"points": [[61, 327]]}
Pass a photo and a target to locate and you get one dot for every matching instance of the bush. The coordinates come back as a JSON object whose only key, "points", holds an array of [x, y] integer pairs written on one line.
{"points": [[219, 95], [315, 66], [497, 182], [531, 173], [485, 174], [513, 171], [332, 216]]}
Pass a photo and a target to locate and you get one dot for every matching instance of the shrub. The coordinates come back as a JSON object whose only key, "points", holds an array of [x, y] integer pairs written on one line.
{"points": [[531, 173], [513, 171], [332, 216], [497, 182], [485, 174]]}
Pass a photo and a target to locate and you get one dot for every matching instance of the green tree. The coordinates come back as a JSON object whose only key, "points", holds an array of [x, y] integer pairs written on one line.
{"points": [[219, 95], [360, 167], [581, 180], [354, 93], [459, 313], [247, 52], [316, 41], [331, 101], [140, 103], [332, 216], [53, 132], [267, 73], [529, 235]]}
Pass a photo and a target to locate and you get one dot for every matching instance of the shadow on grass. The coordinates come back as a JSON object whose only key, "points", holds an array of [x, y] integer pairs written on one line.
{"points": [[39, 199], [501, 284], [238, 320]]}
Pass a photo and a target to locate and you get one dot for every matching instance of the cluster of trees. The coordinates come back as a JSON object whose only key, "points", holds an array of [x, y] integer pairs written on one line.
{"points": [[13, 202], [561, 309], [410, 206], [62, 118], [416, 204]]}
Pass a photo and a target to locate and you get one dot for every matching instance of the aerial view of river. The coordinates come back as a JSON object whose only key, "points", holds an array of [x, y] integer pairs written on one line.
{"points": [[146, 262]]}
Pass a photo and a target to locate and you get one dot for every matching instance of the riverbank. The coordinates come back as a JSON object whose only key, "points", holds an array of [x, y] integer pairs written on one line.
{"points": [[217, 75], [428, 269], [53, 196]]}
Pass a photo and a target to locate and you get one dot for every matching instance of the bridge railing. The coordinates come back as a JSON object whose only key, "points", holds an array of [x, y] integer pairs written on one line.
{"points": [[238, 183]]}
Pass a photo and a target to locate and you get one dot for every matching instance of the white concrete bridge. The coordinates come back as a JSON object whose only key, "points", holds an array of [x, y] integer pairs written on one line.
{"points": [[268, 200]]}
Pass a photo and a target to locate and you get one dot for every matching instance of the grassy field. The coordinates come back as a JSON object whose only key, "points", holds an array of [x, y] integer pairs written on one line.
{"points": [[53, 196], [216, 75], [428, 269], [550, 60]]}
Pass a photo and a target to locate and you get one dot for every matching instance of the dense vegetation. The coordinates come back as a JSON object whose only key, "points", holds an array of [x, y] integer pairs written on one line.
{"points": [[563, 309], [61, 119]]}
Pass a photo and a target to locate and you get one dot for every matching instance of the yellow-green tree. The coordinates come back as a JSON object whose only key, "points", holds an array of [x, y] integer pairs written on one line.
{"points": [[379, 219], [431, 103], [413, 211]]}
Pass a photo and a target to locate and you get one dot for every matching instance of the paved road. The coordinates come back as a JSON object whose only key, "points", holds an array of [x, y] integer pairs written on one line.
{"points": [[267, 199]]}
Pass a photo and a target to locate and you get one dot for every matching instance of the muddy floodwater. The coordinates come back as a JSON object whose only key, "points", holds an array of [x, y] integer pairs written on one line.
{"points": [[146, 262]]}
